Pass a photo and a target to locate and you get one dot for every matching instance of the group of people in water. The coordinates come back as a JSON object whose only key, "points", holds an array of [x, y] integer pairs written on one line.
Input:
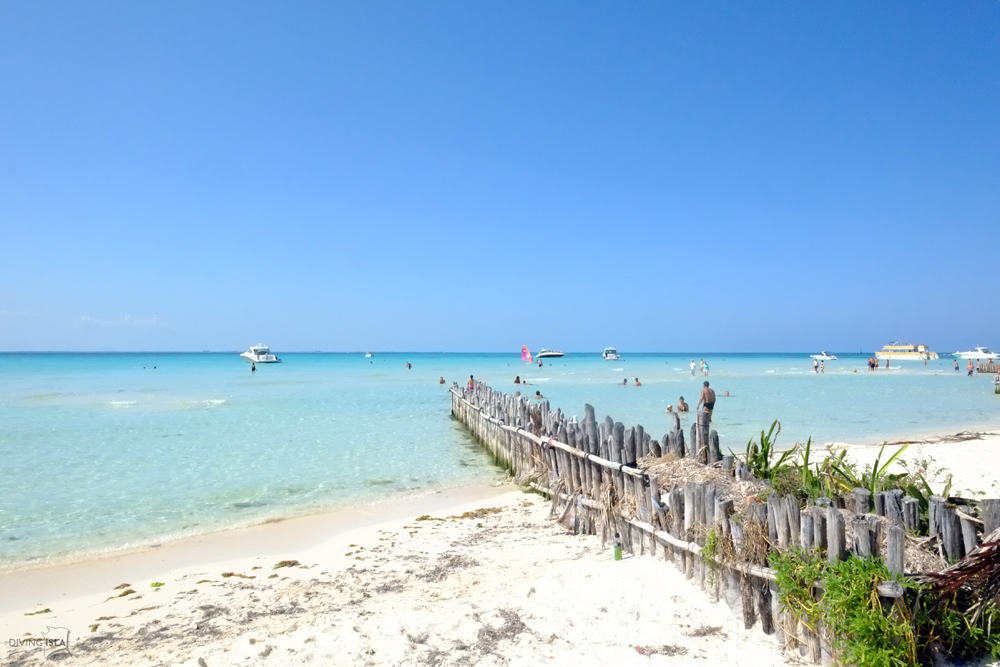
{"points": [[703, 366], [873, 363]]}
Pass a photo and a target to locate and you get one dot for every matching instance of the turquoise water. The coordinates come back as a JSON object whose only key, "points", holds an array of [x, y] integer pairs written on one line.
{"points": [[104, 451]]}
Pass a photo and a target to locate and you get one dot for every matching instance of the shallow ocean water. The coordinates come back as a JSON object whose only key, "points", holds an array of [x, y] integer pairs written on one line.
{"points": [[110, 451]]}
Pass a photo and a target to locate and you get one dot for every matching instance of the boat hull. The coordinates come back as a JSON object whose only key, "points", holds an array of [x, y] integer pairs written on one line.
{"points": [[251, 359]]}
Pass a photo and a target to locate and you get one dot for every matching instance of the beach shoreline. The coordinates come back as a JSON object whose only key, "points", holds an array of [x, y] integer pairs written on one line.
{"points": [[39, 584], [948, 451], [487, 579]]}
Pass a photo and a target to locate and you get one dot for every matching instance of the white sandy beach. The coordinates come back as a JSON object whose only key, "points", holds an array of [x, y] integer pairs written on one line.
{"points": [[500, 586], [484, 577], [973, 464]]}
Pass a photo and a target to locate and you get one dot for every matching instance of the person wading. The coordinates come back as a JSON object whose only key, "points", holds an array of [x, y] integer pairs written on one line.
{"points": [[707, 400]]}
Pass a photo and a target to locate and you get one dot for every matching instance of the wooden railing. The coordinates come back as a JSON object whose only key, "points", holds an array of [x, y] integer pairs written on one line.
{"points": [[592, 468]]}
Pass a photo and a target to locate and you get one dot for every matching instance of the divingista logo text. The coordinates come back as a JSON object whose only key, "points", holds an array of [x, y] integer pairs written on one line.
{"points": [[54, 641]]}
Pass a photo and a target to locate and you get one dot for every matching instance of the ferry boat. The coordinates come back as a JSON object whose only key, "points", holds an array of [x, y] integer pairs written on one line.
{"points": [[823, 356], [898, 351], [978, 353], [610, 354], [544, 354], [260, 354]]}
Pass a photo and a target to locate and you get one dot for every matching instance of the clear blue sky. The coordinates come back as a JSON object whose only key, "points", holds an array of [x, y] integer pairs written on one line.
{"points": [[480, 175]]}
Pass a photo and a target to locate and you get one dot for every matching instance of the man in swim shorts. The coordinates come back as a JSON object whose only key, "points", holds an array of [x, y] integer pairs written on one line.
{"points": [[970, 367], [707, 399]]}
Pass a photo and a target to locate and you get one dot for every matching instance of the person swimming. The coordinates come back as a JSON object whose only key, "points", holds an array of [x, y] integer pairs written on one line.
{"points": [[517, 380], [441, 381], [637, 383], [625, 381], [538, 394], [682, 406]]}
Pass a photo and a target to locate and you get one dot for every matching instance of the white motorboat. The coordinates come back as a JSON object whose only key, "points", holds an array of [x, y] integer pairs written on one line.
{"points": [[610, 354], [824, 356], [978, 353], [544, 354], [368, 355], [260, 354]]}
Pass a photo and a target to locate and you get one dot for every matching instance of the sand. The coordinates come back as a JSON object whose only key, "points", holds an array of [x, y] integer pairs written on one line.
{"points": [[486, 581], [973, 464], [466, 577]]}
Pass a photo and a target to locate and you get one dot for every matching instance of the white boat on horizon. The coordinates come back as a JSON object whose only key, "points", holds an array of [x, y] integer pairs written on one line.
{"points": [[824, 356], [368, 355], [978, 353], [545, 354], [260, 354], [610, 354]]}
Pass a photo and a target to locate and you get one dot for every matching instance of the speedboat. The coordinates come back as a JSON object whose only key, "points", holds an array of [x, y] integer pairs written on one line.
{"points": [[260, 354], [544, 354], [610, 354], [368, 355], [898, 351], [823, 356], [978, 353]]}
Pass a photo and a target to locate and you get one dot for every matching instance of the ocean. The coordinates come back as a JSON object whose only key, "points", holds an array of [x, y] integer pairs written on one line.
{"points": [[105, 452]]}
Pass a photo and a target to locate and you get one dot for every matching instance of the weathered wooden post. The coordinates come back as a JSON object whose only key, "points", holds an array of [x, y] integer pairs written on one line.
{"points": [[911, 514], [895, 541], [862, 501], [689, 525], [703, 421], [677, 515], [792, 514], [969, 537], [714, 454], [989, 511], [934, 505], [806, 531], [836, 550]]}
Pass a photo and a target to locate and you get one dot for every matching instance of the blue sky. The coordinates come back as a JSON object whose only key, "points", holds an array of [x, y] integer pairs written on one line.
{"points": [[474, 176]]}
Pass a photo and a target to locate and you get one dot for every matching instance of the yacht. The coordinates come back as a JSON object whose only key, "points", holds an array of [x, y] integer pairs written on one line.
{"points": [[260, 354], [368, 355], [544, 354], [978, 353], [824, 356], [610, 354], [901, 352]]}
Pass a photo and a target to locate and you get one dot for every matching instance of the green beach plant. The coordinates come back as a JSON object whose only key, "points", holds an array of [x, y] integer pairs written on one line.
{"points": [[874, 478], [760, 457]]}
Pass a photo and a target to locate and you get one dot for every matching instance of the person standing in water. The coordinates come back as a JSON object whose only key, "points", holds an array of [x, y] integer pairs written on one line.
{"points": [[822, 366], [472, 383], [956, 365], [692, 368], [815, 365], [637, 383], [970, 367], [253, 367], [707, 400]]}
